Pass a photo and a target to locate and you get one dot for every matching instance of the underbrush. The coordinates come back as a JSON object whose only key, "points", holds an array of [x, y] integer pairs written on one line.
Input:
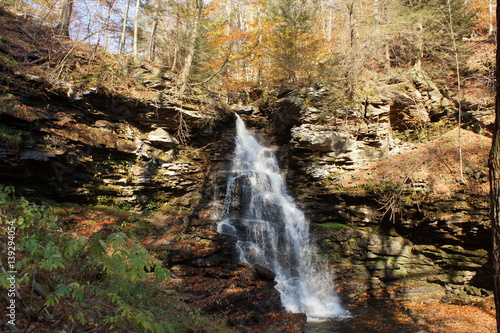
{"points": [[65, 282]]}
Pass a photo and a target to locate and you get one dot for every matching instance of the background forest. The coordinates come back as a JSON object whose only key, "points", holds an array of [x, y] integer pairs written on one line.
{"points": [[231, 44]]}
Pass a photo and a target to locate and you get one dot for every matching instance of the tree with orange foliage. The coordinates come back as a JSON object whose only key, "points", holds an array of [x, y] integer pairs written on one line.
{"points": [[485, 15]]}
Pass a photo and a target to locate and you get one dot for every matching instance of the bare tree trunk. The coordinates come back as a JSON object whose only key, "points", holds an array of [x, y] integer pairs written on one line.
{"points": [[124, 27], [229, 11], [136, 29], [492, 20], [459, 93], [152, 38], [176, 46], [186, 69], [420, 45], [65, 18], [106, 28], [174, 60], [387, 53], [91, 33], [351, 74], [352, 25], [495, 186], [260, 62]]}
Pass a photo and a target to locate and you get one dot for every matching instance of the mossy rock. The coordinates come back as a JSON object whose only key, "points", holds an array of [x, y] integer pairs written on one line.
{"points": [[334, 226]]}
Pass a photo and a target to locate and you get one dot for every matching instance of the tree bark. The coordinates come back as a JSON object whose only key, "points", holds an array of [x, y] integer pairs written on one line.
{"points": [[420, 45], [459, 90], [107, 27], [352, 71], [124, 27], [136, 30], [152, 37], [492, 20], [65, 18], [494, 163]]}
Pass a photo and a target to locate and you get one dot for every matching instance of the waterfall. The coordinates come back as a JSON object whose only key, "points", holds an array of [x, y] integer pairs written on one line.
{"points": [[272, 231]]}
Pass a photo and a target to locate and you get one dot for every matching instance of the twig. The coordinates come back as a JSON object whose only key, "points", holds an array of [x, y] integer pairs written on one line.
{"points": [[390, 202], [183, 129]]}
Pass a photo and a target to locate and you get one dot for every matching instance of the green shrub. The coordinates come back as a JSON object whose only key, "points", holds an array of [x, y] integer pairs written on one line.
{"points": [[104, 281]]}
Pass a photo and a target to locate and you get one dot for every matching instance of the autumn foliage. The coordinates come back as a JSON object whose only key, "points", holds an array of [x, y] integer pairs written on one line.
{"points": [[269, 42]]}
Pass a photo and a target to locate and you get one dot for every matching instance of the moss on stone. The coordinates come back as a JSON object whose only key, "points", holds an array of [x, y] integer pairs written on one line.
{"points": [[334, 226]]}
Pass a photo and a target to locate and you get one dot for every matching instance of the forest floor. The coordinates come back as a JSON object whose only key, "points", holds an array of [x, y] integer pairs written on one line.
{"points": [[449, 318], [413, 317]]}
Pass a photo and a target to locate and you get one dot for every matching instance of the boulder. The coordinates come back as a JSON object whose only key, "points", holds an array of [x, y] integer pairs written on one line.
{"points": [[160, 138]]}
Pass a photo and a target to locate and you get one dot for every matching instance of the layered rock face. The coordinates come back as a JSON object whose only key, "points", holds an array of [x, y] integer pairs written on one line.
{"points": [[428, 254], [347, 138], [382, 240], [101, 146], [72, 150]]}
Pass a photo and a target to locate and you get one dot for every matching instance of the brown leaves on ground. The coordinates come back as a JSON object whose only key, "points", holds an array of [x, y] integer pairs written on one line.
{"points": [[449, 318], [435, 164]]}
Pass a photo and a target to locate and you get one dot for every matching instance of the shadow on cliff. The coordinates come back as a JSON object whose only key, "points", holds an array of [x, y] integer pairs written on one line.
{"points": [[381, 308]]}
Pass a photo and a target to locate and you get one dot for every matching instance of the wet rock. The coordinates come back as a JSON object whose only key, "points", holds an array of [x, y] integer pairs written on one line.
{"points": [[236, 293], [246, 110], [283, 323], [286, 113], [264, 273], [35, 155]]}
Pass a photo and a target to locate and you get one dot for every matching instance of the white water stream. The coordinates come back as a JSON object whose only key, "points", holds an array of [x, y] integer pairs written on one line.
{"points": [[273, 232]]}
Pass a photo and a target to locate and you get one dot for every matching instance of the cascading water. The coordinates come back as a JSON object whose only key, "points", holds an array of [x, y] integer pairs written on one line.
{"points": [[273, 232]]}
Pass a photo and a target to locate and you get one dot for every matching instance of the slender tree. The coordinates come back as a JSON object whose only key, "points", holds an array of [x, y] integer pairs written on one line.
{"points": [[491, 20], [352, 54], [135, 50], [107, 24], [495, 185], [124, 27], [154, 30], [459, 88], [65, 18]]}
